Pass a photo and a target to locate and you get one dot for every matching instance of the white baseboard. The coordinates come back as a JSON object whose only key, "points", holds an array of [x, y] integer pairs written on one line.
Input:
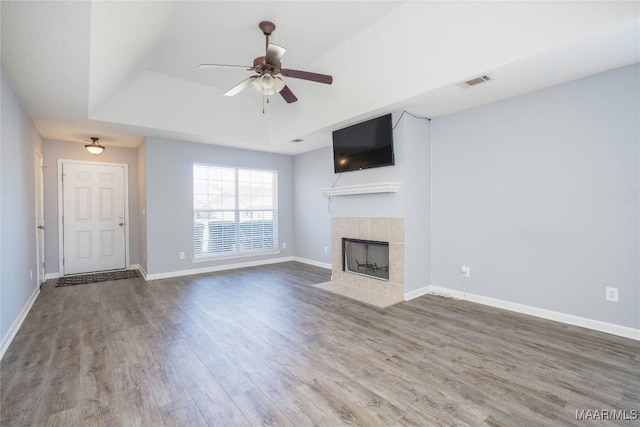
{"points": [[417, 293], [11, 333], [312, 262], [170, 274], [141, 270], [596, 325]]}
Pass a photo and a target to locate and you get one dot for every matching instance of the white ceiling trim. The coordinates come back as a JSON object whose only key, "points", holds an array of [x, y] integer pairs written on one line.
{"points": [[124, 36]]}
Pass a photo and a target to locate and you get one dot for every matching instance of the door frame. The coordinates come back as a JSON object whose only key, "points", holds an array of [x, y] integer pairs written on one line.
{"points": [[40, 234], [61, 162]]}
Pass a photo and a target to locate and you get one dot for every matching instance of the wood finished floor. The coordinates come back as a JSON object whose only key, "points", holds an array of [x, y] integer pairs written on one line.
{"points": [[261, 347]]}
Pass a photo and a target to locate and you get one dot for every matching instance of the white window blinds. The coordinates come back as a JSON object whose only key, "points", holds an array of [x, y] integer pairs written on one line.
{"points": [[235, 211]]}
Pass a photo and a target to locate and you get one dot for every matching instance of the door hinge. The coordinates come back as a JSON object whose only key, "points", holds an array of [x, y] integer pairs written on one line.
{"points": [[62, 261], [43, 264]]}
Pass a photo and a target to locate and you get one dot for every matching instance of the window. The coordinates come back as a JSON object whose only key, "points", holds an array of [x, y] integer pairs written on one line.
{"points": [[235, 211]]}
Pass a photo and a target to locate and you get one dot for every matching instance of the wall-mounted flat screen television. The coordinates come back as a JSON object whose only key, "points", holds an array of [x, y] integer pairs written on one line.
{"points": [[364, 145]]}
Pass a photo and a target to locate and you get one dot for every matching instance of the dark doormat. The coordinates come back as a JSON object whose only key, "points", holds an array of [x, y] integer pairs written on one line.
{"points": [[83, 279]]}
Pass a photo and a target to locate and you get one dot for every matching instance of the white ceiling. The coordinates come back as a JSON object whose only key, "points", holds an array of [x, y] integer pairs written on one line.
{"points": [[126, 70]]}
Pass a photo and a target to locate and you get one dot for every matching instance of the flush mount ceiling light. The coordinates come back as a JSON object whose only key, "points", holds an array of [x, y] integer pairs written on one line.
{"points": [[95, 148]]}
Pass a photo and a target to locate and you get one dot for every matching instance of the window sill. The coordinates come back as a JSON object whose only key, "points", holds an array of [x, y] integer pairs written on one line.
{"points": [[235, 256]]}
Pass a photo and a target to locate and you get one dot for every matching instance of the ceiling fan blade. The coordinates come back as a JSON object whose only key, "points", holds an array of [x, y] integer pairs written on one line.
{"points": [[288, 95], [244, 67], [240, 86], [274, 53], [306, 75]]}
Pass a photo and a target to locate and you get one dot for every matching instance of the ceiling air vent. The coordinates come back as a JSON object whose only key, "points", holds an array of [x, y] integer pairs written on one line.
{"points": [[475, 81]]}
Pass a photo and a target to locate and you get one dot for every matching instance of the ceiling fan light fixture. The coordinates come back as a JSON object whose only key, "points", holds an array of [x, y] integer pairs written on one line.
{"points": [[95, 148], [267, 84], [278, 84], [256, 85], [267, 81], [262, 90]]}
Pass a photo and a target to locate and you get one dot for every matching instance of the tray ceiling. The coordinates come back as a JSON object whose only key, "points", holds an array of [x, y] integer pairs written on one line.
{"points": [[126, 70]]}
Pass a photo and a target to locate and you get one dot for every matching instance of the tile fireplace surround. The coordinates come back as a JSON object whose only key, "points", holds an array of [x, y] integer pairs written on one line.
{"points": [[369, 228]]}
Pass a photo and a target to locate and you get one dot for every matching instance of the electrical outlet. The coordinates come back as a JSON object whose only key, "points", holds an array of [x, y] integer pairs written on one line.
{"points": [[181, 255], [326, 249], [284, 245], [466, 271], [612, 294]]}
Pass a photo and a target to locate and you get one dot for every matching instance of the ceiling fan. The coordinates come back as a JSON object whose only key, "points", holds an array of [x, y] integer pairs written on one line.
{"points": [[268, 80]]}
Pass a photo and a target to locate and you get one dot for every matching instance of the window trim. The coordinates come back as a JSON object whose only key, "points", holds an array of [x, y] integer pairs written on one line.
{"points": [[209, 258], [237, 211]]}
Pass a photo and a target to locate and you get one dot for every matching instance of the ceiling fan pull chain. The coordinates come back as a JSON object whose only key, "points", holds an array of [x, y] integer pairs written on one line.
{"points": [[262, 103]]}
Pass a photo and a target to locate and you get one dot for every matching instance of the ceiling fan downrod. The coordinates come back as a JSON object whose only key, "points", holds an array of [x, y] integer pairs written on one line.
{"points": [[267, 28]]}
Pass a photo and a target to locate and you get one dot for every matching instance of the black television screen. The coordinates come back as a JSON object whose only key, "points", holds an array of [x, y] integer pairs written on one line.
{"points": [[364, 145]]}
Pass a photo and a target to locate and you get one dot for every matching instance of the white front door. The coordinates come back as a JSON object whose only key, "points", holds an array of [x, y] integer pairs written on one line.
{"points": [[93, 217]]}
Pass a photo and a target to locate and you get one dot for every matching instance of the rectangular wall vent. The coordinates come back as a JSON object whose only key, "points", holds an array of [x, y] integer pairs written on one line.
{"points": [[475, 81]]}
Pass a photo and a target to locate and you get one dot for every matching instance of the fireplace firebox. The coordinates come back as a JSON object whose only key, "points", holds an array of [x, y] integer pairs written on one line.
{"points": [[366, 257]]}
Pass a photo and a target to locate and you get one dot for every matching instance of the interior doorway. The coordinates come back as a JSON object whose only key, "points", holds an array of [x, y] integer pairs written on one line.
{"points": [[39, 190]]}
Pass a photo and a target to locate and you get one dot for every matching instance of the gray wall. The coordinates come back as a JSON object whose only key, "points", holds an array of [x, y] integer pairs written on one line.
{"points": [[416, 186], [18, 143], [539, 195], [55, 150], [169, 200], [314, 171], [382, 204]]}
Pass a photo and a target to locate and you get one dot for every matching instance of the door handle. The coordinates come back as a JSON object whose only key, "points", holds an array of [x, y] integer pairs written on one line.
{"points": [[41, 227], [121, 224]]}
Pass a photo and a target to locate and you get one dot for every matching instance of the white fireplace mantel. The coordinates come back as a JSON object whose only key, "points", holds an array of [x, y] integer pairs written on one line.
{"points": [[372, 188]]}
